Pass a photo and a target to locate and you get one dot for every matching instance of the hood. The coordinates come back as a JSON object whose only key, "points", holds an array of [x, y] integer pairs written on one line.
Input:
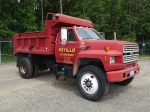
{"points": [[112, 44]]}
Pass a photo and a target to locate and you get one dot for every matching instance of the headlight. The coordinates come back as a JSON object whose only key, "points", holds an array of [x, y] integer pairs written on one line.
{"points": [[112, 60]]}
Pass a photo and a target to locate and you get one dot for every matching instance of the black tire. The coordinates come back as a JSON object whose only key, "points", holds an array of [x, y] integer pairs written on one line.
{"points": [[86, 76], [35, 70], [125, 82], [25, 68]]}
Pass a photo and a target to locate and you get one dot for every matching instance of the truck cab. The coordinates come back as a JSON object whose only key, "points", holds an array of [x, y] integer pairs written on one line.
{"points": [[72, 48], [72, 40]]}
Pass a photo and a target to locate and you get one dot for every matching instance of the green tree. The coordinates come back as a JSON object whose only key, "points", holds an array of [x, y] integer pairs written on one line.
{"points": [[130, 19], [17, 17]]}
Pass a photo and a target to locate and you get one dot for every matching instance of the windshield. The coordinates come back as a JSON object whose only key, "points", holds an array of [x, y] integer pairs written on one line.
{"points": [[86, 33]]}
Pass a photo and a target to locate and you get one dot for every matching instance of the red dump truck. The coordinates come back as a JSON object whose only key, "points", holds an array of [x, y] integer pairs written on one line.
{"points": [[70, 47]]}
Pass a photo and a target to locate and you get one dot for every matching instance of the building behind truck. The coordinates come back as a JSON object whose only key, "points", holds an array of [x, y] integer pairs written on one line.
{"points": [[72, 48]]}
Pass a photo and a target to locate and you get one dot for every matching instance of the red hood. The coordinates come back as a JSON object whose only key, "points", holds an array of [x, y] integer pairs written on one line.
{"points": [[101, 44]]}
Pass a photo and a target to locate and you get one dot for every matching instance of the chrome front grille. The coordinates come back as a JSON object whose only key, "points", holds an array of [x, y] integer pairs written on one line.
{"points": [[130, 53]]}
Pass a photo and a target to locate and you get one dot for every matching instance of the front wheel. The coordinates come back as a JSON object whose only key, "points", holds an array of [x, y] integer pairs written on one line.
{"points": [[92, 83], [125, 82]]}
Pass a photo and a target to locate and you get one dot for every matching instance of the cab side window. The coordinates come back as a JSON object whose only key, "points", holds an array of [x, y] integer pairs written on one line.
{"points": [[71, 36]]}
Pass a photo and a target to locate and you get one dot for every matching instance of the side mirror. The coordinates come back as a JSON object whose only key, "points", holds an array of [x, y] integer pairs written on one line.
{"points": [[63, 36]]}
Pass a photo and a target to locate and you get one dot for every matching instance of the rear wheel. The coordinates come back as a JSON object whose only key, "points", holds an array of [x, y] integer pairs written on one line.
{"points": [[35, 70], [25, 68], [125, 82], [92, 83]]}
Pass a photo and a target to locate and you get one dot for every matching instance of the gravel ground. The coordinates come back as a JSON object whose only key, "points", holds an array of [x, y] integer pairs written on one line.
{"points": [[45, 94]]}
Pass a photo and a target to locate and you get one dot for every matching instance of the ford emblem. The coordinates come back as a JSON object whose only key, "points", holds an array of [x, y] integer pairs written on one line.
{"points": [[132, 53]]}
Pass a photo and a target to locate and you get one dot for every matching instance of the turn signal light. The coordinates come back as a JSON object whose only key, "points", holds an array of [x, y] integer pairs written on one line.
{"points": [[107, 48]]}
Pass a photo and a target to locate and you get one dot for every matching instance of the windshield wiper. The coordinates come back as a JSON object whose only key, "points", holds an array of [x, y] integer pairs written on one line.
{"points": [[87, 38], [92, 38]]}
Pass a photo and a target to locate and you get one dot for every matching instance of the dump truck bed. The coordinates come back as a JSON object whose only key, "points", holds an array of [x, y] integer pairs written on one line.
{"points": [[34, 42]]}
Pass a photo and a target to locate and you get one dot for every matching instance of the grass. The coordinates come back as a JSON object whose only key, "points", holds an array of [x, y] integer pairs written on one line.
{"points": [[8, 58], [144, 57]]}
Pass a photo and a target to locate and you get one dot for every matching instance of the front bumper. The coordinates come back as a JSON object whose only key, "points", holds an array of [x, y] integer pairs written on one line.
{"points": [[121, 75]]}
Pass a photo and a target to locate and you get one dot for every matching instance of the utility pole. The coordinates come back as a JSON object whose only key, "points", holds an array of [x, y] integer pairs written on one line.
{"points": [[61, 10], [115, 36], [83, 9], [42, 8], [42, 11]]}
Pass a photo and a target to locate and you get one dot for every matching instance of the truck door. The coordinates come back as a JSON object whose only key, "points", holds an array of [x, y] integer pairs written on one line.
{"points": [[67, 53]]}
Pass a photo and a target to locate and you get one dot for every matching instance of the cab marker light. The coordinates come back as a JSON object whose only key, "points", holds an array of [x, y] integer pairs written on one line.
{"points": [[107, 48]]}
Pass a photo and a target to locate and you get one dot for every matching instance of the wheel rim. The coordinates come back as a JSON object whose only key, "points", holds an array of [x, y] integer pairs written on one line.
{"points": [[22, 68], [89, 83]]}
